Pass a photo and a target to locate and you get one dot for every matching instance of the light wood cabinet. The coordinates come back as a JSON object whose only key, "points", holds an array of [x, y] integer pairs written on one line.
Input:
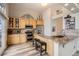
{"points": [[31, 22], [22, 38], [27, 22], [13, 39], [16, 38], [34, 23], [22, 23], [19, 23], [40, 22]]}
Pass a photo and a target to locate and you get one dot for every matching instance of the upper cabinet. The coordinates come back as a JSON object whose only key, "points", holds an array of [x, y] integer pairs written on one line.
{"points": [[40, 22], [13, 23], [22, 23]]}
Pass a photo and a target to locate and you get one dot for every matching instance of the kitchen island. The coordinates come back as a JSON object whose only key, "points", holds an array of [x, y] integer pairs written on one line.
{"points": [[59, 45]]}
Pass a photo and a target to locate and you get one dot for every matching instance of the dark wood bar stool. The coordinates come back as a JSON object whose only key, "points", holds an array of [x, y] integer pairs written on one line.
{"points": [[40, 46]]}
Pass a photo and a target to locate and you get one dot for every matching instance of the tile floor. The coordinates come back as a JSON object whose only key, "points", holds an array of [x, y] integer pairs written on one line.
{"points": [[25, 49]]}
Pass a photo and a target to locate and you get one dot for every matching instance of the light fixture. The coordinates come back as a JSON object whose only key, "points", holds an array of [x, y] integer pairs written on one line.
{"points": [[66, 4], [72, 9], [44, 4]]}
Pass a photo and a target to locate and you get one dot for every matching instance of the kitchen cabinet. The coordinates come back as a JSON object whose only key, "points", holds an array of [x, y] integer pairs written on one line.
{"points": [[68, 49], [22, 23], [22, 38], [13, 39], [34, 24], [40, 22], [16, 38], [13, 23], [30, 22], [27, 22]]}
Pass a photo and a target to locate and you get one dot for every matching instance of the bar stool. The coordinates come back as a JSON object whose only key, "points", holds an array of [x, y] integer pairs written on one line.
{"points": [[41, 46]]}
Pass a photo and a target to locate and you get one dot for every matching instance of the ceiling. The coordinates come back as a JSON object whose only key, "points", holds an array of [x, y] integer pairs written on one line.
{"points": [[39, 8], [70, 6]]}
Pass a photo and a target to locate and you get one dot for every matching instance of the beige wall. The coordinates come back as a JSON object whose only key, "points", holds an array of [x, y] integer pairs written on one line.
{"points": [[58, 24], [18, 11], [7, 9]]}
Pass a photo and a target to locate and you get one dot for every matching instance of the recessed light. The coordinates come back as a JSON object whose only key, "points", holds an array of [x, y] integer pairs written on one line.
{"points": [[44, 4], [66, 4], [72, 9]]}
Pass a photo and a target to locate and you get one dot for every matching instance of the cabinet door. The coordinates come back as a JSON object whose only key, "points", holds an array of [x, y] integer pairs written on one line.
{"points": [[34, 23], [42, 22], [13, 39], [39, 22], [14, 23], [22, 23], [68, 49], [27, 22], [31, 21], [22, 38]]}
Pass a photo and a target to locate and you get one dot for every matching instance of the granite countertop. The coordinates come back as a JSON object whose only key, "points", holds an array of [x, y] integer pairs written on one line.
{"points": [[61, 40]]}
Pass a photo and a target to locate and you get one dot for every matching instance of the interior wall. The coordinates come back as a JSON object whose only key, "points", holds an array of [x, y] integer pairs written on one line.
{"points": [[47, 22], [18, 11], [7, 9]]}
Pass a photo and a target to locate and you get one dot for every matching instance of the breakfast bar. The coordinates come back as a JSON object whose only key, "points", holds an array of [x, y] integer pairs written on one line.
{"points": [[59, 45]]}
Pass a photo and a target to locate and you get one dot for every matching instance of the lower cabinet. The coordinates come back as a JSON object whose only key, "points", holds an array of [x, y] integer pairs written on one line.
{"points": [[22, 38], [16, 38], [68, 49]]}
